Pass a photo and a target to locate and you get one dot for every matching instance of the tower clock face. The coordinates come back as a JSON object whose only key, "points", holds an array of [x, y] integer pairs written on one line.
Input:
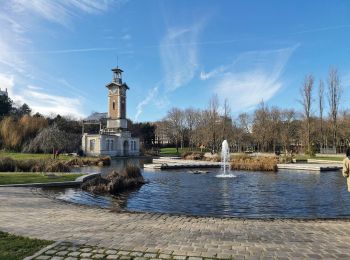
{"points": [[114, 91]]}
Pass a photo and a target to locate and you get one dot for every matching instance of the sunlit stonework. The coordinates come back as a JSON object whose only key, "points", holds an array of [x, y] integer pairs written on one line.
{"points": [[115, 139]]}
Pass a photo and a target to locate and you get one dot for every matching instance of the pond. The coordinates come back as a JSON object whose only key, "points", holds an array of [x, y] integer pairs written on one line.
{"points": [[286, 194]]}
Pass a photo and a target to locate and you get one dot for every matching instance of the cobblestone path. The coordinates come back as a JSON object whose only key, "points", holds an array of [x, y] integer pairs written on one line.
{"points": [[24, 211]]}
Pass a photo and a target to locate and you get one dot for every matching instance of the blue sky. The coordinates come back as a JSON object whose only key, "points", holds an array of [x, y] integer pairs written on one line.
{"points": [[56, 55]]}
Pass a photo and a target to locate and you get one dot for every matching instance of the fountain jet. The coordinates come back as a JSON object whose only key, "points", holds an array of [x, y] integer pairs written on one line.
{"points": [[225, 156]]}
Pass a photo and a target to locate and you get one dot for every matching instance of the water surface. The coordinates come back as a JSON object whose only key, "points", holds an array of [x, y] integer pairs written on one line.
{"points": [[286, 194]]}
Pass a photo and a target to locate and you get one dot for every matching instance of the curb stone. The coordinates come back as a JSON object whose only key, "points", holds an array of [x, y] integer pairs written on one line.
{"points": [[43, 250]]}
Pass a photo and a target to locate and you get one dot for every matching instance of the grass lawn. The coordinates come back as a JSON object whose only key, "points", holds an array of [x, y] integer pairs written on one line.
{"points": [[27, 156], [172, 151], [326, 158], [14, 247], [21, 178]]}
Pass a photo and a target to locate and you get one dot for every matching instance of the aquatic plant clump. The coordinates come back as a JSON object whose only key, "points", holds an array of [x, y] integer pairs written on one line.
{"points": [[98, 161], [192, 156], [114, 182], [248, 163]]}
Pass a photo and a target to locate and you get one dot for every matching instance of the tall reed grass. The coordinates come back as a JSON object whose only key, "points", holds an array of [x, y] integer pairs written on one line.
{"points": [[192, 155], [249, 163], [8, 164]]}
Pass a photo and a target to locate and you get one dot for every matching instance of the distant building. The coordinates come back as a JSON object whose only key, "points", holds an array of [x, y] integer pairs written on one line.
{"points": [[2, 92], [96, 116], [115, 139], [161, 133]]}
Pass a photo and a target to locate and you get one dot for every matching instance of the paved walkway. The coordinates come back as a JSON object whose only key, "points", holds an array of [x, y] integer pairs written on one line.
{"points": [[25, 212]]}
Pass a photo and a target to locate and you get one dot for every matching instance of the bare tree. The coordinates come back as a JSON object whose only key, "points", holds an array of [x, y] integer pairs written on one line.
{"points": [[288, 129], [306, 101], [321, 108], [261, 126], [334, 95], [226, 120], [192, 118], [275, 126], [175, 128], [245, 139], [213, 117]]}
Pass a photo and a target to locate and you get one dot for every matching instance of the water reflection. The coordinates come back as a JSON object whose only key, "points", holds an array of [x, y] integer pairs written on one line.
{"points": [[286, 194], [116, 164]]}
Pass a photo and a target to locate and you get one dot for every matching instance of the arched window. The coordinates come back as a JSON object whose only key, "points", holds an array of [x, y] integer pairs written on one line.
{"points": [[92, 145], [113, 105]]}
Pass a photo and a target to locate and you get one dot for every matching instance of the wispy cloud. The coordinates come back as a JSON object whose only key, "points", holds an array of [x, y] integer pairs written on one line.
{"points": [[179, 55], [39, 101], [97, 49], [17, 19], [252, 77], [207, 75], [150, 96], [60, 12]]}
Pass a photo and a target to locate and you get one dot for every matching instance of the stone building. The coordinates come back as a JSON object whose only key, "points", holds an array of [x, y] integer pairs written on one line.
{"points": [[115, 139], [3, 92]]}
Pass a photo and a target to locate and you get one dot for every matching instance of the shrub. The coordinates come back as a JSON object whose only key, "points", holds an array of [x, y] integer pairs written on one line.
{"points": [[311, 151], [25, 165], [56, 166], [286, 159], [10, 165], [7, 164]]}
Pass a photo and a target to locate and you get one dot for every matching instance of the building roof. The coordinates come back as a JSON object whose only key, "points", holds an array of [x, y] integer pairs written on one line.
{"points": [[116, 84], [96, 116], [117, 70]]}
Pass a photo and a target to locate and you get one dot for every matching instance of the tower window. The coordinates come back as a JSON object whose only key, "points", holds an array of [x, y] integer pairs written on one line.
{"points": [[92, 145], [113, 105]]}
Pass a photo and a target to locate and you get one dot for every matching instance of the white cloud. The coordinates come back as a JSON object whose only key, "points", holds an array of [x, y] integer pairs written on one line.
{"points": [[43, 103], [204, 76], [17, 19], [150, 96], [345, 81], [252, 77], [34, 87], [51, 104], [6, 82], [60, 12], [178, 53]]}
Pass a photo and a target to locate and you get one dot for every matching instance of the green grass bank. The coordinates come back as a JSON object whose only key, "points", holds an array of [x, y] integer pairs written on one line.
{"points": [[26, 178], [16, 248]]}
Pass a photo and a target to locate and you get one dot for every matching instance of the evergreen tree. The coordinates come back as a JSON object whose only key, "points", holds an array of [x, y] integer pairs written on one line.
{"points": [[5, 105]]}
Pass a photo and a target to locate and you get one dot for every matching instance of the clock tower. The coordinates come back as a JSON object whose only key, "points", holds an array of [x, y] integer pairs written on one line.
{"points": [[117, 102]]}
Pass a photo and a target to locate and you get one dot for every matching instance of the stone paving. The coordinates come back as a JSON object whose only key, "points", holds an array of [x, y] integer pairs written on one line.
{"points": [[71, 251], [25, 211]]}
